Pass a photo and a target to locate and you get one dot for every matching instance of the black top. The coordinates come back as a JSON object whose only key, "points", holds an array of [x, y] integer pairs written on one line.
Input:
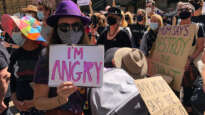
{"points": [[147, 41], [138, 31], [199, 19], [121, 40], [22, 70], [4, 57]]}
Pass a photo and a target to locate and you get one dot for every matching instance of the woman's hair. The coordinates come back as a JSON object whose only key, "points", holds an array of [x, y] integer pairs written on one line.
{"points": [[159, 18], [47, 5], [130, 21], [144, 14], [123, 21], [101, 20]]}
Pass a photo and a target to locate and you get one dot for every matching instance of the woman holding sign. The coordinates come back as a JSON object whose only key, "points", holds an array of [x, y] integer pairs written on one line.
{"points": [[68, 24]]}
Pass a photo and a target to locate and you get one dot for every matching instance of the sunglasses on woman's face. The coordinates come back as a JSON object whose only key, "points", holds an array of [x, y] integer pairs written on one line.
{"points": [[65, 27]]}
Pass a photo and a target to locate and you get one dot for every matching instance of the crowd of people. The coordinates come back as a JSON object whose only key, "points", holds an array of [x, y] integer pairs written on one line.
{"points": [[128, 39]]}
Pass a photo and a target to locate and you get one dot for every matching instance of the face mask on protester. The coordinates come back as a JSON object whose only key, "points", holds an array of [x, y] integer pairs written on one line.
{"points": [[139, 18], [148, 10], [153, 25], [111, 20], [18, 39], [70, 37], [184, 14], [27, 14], [40, 15]]}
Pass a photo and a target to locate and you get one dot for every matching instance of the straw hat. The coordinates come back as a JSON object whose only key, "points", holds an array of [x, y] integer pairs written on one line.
{"points": [[30, 8]]}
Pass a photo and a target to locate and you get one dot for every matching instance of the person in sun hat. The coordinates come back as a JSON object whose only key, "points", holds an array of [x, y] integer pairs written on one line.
{"points": [[26, 33], [132, 60], [69, 28], [31, 10]]}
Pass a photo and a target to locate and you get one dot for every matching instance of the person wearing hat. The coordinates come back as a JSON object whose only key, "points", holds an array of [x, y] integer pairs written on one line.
{"points": [[69, 28], [31, 10], [45, 9], [26, 33], [115, 36], [185, 14], [132, 60]]}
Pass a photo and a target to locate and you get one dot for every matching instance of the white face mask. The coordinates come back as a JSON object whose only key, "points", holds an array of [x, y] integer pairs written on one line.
{"points": [[153, 25], [27, 14], [40, 15], [18, 39]]}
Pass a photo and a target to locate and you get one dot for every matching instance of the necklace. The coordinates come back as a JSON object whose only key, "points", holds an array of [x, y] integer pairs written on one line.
{"points": [[111, 36]]}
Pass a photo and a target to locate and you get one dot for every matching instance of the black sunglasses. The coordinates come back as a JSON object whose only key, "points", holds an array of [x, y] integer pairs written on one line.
{"points": [[65, 27]]}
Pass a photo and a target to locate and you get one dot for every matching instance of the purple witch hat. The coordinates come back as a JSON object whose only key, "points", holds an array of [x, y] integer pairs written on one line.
{"points": [[67, 8]]}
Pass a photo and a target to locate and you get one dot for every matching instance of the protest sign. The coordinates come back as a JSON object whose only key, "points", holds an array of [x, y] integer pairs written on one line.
{"points": [[159, 98], [82, 65], [83, 2], [170, 52]]}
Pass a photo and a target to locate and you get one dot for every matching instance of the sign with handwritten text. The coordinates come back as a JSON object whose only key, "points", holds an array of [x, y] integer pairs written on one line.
{"points": [[170, 52], [159, 98], [82, 65]]}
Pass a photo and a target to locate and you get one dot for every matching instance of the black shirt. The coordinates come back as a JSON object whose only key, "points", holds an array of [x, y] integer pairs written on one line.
{"points": [[4, 57], [121, 40], [22, 70], [138, 31], [198, 19]]}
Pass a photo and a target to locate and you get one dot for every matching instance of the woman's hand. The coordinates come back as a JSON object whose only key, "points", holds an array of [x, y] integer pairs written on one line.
{"points": [[3, 107], [18, 104], [65, 90], [28, 104]]}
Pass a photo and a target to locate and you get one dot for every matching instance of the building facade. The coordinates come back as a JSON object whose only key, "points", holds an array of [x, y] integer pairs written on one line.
{"points": [[13, 6]]}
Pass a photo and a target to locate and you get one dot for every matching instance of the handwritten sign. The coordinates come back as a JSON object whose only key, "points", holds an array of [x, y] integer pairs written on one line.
{"points": [[83, 2], [82, 65], [170, 52], [159, 98]]}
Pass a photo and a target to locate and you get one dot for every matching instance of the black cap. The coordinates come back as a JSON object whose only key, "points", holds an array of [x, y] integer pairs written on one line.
{"points": [[114, 11]]}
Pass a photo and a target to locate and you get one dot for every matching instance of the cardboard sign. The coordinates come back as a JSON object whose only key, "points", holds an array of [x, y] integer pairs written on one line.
{"points": [[83, 2], [170, 52], [82, 65], [159, 98]]}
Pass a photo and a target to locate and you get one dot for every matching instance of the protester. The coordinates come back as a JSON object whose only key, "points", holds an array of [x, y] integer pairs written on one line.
{"points": [[198, 15], [176, 20], [45, 9], [129, 18], [68, 24], [114, 36], [139, 28], [26, 33], [190, 74], [97, 27], [151, 35], [4, 78], [31, 10], [150, 10], [132, 60], [198, 97]]}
